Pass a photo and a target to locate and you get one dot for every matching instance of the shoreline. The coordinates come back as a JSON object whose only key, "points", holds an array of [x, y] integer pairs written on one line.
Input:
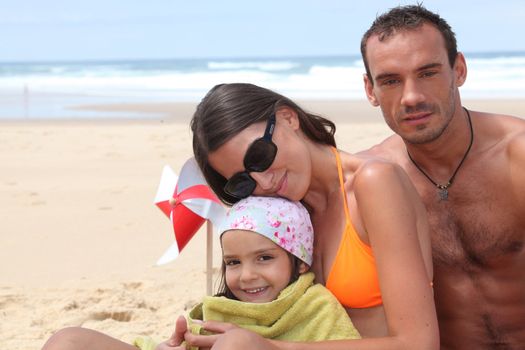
{"points": [[337, 110]]}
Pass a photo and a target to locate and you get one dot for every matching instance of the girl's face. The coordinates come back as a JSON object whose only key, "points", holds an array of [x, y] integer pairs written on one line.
{"points": [[257, 269], [290, 173]]}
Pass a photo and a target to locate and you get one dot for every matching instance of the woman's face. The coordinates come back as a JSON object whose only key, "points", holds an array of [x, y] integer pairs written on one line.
{"points": [[288, 176]]}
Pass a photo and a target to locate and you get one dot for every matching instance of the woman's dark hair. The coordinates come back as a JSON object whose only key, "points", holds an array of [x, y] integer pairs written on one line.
{"points": [[224, 291], [228, 109]]}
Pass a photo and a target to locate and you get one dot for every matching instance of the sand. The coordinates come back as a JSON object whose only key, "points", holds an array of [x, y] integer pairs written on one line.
{"points": [[80, 235]]}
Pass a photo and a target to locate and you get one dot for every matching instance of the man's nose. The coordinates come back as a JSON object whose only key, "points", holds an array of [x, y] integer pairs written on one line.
{"points": [[412, 93]]}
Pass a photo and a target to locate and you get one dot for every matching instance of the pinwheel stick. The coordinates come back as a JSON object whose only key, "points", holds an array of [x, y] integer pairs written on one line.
{"points": [[209, 257]]}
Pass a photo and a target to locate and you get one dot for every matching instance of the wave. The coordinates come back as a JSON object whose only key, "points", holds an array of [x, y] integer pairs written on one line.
{"points": [[270, 66], [489, 76]]}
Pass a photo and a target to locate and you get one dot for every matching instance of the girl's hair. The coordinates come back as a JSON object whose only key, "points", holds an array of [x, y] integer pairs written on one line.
{"points": [[224, 291], [228, 109]]}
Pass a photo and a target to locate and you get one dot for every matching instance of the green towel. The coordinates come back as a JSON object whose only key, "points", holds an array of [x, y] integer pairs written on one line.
{"points": [[303, 311], [145, 343]]}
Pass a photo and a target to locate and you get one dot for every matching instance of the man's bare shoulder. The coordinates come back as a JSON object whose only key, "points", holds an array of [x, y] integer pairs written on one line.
{"points": [[504, 136], [513, 136], [506, 130], [506, 124], [391, 149]]}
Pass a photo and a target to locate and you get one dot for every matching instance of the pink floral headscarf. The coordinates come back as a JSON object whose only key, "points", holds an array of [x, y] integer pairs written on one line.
{"points": [[284, 222]]}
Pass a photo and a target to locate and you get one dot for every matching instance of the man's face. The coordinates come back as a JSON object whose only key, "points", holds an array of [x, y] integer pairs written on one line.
{"points": [[413, 83]]}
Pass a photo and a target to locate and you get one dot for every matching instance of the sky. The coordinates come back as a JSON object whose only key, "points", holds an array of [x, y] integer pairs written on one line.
{"points": [[66, 30]]}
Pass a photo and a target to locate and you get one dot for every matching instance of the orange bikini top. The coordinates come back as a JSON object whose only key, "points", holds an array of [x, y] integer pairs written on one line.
{"points": [[353, 277]]}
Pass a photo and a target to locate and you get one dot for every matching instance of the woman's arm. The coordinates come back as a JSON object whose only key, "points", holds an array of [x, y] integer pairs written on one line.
{"points": [[394, 216]]}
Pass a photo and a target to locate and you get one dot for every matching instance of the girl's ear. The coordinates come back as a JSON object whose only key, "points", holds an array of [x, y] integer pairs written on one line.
{"points": [[303, 268], [288, 115]]}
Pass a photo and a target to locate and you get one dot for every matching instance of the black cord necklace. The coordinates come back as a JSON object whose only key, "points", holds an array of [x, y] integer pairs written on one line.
{"points": [[443, 189]]}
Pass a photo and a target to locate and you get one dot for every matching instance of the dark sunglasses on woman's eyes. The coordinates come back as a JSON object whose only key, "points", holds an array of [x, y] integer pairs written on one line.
{"points": [[258, 158]]}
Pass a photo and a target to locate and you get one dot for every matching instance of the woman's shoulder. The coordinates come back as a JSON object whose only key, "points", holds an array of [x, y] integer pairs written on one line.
{"points": [[366, 169], [378, 177], [369, 167]]}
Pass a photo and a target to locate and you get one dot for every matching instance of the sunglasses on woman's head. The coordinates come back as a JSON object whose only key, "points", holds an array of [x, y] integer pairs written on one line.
{"points": [[258, 158]]}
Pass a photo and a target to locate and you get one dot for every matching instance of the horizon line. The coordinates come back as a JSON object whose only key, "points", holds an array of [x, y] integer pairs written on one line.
{"points": [[226, 58]]}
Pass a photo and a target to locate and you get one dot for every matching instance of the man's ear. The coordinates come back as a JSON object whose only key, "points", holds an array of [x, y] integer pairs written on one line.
{"points": [[369, 89], [460, 69], [288, 115]]}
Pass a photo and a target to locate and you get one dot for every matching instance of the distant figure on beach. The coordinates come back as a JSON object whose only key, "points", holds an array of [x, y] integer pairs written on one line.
{"points": [[469, 168], [26, 101], [267, 250]]}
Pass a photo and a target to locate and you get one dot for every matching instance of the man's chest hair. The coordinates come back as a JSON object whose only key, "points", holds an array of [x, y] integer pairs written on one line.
{"points": [[477, 236]]}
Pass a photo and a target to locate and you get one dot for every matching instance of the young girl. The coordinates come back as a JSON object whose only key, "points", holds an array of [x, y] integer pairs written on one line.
{"points": [[267, 245]]}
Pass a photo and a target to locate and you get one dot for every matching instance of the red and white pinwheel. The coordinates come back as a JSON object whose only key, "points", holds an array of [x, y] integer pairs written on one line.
{"points": [[192, 203]]}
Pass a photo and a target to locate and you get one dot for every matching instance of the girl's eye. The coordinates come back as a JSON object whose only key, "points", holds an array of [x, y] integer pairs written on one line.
{"points": [[265, 257], [231, 262]]}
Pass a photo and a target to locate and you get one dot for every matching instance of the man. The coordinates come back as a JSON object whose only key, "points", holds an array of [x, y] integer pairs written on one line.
{"points": [[469, 168]]}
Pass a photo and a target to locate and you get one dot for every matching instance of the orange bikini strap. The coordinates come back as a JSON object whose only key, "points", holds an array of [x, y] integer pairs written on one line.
{"points": [[341, 181]]}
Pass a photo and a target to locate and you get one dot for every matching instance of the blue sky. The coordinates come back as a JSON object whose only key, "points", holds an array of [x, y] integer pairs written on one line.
{"points": [[34, 30]]}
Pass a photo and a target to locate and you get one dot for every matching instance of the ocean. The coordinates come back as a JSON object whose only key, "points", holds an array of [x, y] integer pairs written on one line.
{"points": [[37, 90]]}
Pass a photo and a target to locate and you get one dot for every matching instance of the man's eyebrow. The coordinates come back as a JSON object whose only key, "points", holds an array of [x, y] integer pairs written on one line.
{"points": [[395, 75], [385, 75], [430, 65]]}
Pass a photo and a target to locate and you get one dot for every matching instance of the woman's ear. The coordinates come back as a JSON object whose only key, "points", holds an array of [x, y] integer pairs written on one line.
{"points": [[288, 115]]}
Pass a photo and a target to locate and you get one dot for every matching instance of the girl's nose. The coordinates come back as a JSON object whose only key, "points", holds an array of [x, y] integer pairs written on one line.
{"points": [[248, 273]]}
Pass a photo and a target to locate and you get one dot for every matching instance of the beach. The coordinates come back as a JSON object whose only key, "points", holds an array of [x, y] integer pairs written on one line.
{"points": [[80, 234]]}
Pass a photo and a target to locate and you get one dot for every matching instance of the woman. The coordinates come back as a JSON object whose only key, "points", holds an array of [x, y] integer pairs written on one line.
{"points": [[372, 246], [371, 249]]}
